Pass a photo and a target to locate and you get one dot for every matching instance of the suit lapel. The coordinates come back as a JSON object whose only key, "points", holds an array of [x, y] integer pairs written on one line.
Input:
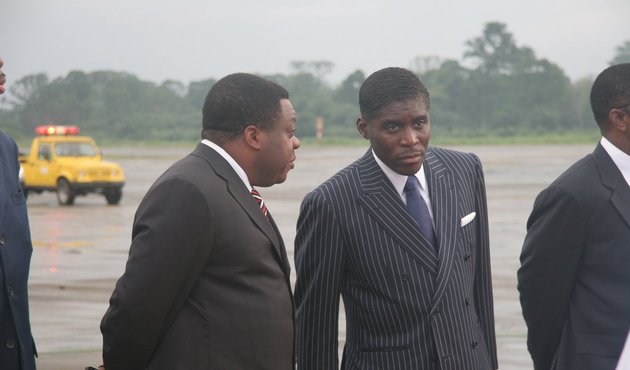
{"points": [[444, 207], [281, 250], [241, 195], [381, 201], [621, 200], [249, 205], [611, 178]]}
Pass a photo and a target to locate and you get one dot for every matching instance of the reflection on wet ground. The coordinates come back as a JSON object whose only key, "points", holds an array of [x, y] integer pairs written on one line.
{"points": [[80, 251]]}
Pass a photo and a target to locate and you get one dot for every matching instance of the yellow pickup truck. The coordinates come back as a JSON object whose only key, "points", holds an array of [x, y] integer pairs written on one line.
{"points": [[59, 160]]}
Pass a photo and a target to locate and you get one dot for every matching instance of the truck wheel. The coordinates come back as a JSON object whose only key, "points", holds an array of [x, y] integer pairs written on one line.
{"points": [[113, 195], [65, 193]]}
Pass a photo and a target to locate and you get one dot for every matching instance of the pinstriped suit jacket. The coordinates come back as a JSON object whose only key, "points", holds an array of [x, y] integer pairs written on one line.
{"points": [[406, 307]]}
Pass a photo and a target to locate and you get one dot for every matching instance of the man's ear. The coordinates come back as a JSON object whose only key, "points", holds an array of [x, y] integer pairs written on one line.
{"points": [[362, 127], [619, 119], [253, 136]]}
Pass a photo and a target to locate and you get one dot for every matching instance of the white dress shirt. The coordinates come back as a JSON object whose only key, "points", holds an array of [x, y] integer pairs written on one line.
{"points": [[239, 170], [399, 181], [621, 159], [624, 360]]}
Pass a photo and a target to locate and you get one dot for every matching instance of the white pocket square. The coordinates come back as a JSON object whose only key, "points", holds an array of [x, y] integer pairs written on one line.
{"points": [[468, 218]]}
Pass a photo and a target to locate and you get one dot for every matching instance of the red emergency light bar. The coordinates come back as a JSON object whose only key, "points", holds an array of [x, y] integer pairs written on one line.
{"points": [[47, 130]]}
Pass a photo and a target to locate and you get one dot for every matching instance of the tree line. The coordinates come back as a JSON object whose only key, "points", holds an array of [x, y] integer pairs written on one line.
{"points": [[503, 90]]}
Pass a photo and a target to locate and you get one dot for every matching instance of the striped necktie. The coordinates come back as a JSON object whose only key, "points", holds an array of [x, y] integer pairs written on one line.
{"points": [[260, 201], [418, 209]]}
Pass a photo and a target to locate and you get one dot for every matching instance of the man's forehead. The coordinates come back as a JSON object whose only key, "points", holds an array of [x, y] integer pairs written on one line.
{"points": [[403, 105]]}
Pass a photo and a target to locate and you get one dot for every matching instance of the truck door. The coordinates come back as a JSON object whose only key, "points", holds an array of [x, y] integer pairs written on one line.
{"points": [[44, 169]]}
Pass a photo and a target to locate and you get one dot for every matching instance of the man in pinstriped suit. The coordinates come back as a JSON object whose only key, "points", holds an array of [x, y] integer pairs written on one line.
{"points": [[409, 304]]}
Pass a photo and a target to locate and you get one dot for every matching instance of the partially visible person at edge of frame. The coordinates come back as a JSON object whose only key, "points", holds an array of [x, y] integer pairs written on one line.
{"points": [[574, 279], [624, 360], [206, 284], [17, 347], [402, 235]]}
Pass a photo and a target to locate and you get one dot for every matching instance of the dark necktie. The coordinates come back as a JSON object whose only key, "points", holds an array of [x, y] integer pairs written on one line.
{"points": [[260, 202], [418, 209]]}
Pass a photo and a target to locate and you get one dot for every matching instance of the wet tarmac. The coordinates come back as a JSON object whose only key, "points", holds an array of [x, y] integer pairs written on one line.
{"points": [[80, 251]]}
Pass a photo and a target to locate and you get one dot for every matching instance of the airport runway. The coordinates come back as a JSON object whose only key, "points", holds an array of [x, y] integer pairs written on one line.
{"points": [[80, 251]]}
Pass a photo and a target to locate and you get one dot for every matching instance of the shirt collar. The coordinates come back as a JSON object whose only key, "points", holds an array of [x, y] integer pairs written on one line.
{"points": [[621, 159], [399, 180], [237, 168]]}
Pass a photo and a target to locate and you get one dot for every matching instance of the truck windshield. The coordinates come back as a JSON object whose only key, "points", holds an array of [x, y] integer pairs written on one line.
{"points": [[74, 150]]}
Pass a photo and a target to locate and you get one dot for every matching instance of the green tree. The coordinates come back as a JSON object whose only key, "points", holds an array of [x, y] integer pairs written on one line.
{"points": [[423, 64], [348, 91], [448, 86], [580, 104], [496, 52], [63, 101], [175, 87], [622, 54], [310, 97], [197, 91], [508, 92], [511, 91], [24, 88], [318, 68]]}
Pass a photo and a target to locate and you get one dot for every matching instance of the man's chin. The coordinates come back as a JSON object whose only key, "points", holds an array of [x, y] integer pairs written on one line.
{"points": [[282, 179], [278, 180], [408, 169]]}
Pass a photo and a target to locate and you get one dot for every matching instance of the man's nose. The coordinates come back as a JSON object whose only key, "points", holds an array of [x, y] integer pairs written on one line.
{"points": [[409, 136]]}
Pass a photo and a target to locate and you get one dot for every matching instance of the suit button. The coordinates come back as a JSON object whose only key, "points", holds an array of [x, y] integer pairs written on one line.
{"points": [[467, 301], [10, 291], [10, 344], [404, 276], [435, 358], [474, 345], [467, 257]]}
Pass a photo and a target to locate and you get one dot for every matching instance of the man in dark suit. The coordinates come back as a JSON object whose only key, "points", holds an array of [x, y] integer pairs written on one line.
{"points": [[417, 291], [207, 284], [17, 348], [574, 279]]}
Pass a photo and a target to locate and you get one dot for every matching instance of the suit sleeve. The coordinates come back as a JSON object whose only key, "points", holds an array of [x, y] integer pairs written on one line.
{"points": [[319, 261], [171, 241], [483, 278], [549, 261]]}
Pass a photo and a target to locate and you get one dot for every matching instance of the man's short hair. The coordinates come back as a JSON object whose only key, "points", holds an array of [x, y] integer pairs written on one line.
{"points": [[389, 85], [611, 89], [237, 101]]}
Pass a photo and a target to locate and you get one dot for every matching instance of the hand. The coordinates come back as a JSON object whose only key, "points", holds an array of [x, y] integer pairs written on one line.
{"points": [[2, 77]]}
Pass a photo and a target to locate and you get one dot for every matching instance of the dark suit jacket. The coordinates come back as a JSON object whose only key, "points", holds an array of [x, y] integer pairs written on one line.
{"points": [[17, 348], [574, 279], [207, 281], [406, 307]]}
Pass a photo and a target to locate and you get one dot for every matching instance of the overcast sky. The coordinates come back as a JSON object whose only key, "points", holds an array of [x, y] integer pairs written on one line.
{"points": [[189, 40]]}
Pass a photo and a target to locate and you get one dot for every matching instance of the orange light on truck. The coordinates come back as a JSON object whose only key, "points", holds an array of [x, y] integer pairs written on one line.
{"points": [[49, 130]]}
